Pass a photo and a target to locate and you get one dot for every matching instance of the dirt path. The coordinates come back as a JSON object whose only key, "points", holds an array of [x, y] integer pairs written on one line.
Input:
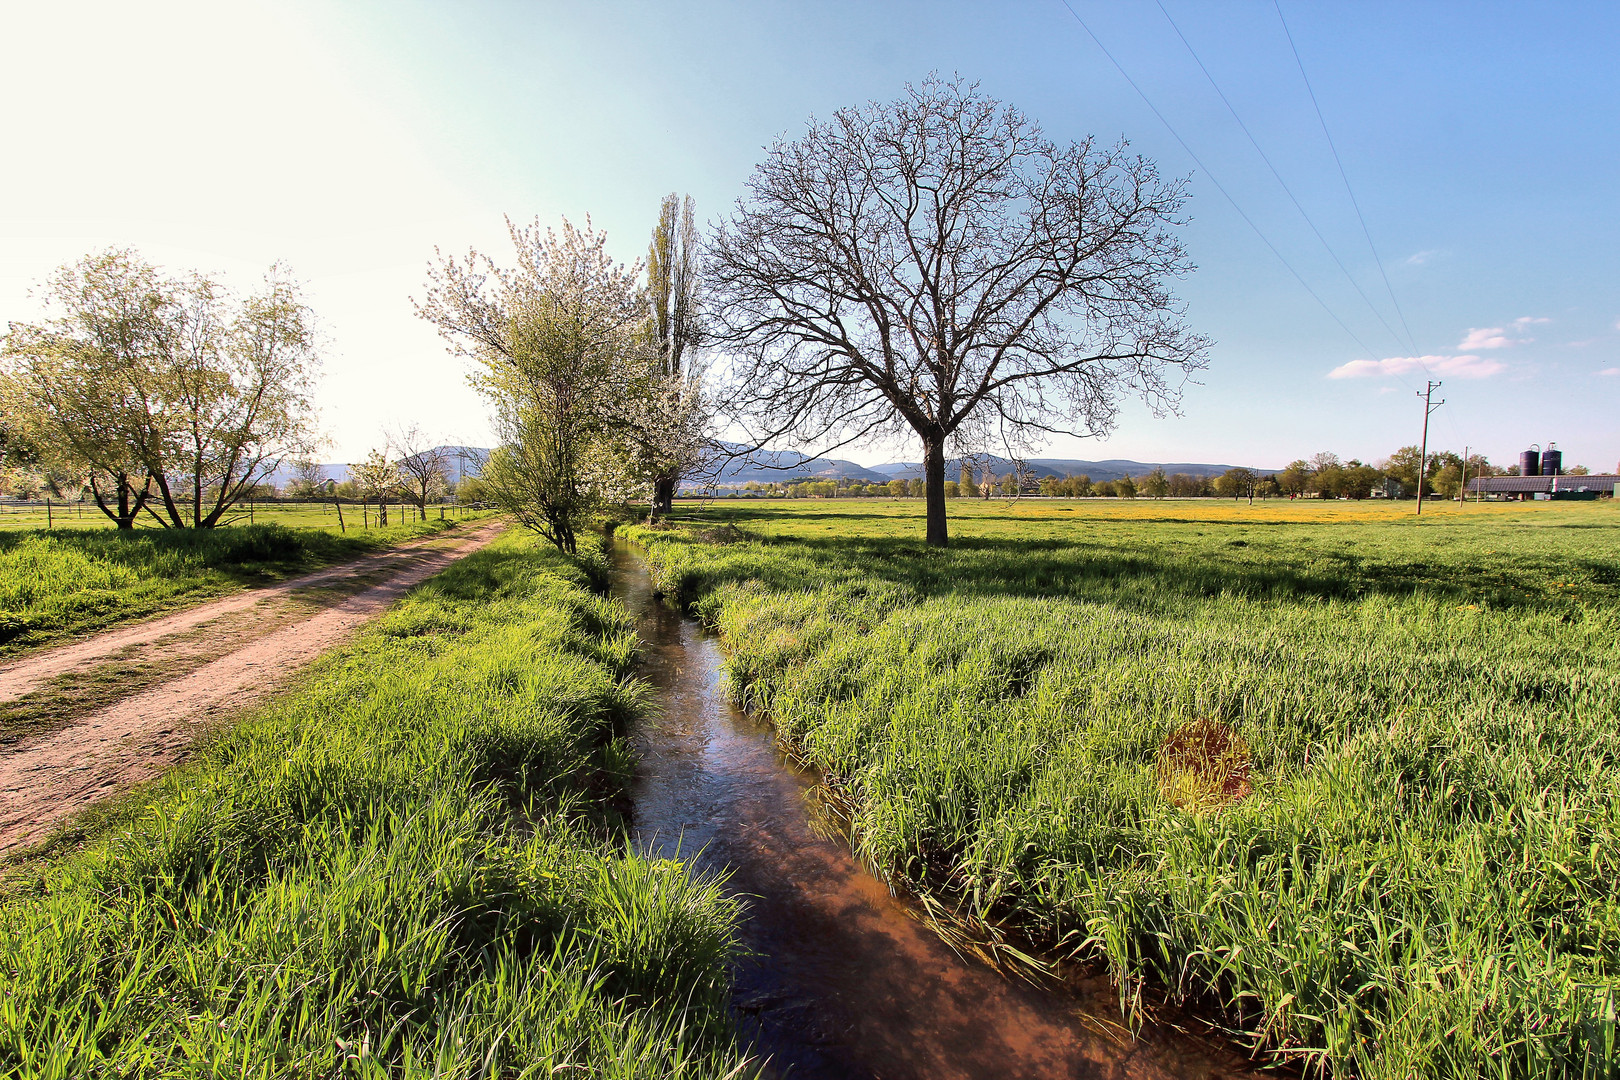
{"points": [[161, 682]]}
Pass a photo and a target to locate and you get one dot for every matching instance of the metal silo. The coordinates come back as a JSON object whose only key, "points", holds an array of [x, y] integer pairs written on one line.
{"points": [[1552, 461], [1530, 462]]}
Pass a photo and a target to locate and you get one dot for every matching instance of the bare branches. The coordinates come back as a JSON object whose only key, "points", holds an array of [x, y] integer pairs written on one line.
{"points": [[423, 466], [937, 265]]}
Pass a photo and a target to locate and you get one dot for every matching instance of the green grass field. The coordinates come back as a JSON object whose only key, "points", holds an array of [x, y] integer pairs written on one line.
{"points": [[1343, 779], [404, 869], [63, 582]]}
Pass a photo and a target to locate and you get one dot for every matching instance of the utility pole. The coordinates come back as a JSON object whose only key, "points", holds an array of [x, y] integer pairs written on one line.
{"points": [[1429, 405], [1462, 490]]}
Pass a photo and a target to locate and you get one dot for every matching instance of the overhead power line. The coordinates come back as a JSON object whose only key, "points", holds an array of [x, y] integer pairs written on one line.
{"points": [[1278, 175], [1218, 185], [1346, 178]]}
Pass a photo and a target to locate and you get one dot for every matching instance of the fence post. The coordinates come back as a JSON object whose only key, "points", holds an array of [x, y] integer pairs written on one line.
{"points": [[48, 522]]}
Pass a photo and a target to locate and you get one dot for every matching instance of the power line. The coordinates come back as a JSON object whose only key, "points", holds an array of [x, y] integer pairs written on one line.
{"points": [[1346, 178], [1218, 185], [1284, 184]]}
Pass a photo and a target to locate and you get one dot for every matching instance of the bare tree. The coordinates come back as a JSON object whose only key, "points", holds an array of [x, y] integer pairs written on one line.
{"points": [[936, 265], [308, 478], [424, 467]]}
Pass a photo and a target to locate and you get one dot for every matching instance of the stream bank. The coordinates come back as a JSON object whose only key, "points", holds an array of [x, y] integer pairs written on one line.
{"points": [[843, 980]]}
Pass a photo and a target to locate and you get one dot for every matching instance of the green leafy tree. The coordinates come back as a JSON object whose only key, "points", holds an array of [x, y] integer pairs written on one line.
{"points": [[969, 489], [560, 341], [1236, 483], [1155, 485], [1402, 467], [1358, 480], [171, 394], [1295, 480], [378, 480]]}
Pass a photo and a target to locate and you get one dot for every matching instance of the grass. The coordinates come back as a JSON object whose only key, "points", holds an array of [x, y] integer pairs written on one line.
{"points": [[63, 582], [1345, 780], [402, 869]]}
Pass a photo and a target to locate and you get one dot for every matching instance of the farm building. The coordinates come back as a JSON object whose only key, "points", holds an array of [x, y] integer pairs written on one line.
{"points": [[1552, 487]]}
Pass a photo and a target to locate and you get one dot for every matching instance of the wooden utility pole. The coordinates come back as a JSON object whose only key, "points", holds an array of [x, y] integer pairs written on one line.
{"points": [[1429, 405], [1462, 489]]}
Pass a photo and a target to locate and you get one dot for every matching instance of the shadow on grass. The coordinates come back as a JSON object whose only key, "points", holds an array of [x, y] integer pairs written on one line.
{"points": [[1121, 563]]}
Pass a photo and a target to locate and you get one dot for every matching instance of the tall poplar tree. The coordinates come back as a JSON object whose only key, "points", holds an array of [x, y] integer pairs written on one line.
{"points": [[672, 278]]}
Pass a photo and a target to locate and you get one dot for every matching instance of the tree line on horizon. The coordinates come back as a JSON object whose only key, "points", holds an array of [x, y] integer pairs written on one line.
{"points": [[1323, 476]]}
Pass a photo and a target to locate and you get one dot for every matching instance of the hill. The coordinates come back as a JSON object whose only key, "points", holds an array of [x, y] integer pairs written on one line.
{"points": [[1110, 469]]}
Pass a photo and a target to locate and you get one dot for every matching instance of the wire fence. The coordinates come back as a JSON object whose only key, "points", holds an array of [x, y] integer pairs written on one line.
{"points": [[342, 514]]}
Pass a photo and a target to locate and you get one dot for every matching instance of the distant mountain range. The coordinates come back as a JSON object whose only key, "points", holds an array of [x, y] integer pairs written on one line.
{"points": [[785, 466], [1111, 469]]}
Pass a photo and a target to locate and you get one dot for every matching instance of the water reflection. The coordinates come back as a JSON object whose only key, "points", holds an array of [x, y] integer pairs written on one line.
{"points": [[844, 982]]}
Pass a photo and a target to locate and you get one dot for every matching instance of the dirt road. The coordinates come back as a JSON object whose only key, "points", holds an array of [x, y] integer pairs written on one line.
{"points": [[93, 717]]}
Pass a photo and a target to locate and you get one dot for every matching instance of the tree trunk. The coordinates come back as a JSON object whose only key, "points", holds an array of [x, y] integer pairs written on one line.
{"points": [[664, 495], [934, 489]]}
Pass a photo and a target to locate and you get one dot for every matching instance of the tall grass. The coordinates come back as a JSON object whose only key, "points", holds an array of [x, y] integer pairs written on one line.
{"points": [[71, 581], [1421, 882], [393, 872]]}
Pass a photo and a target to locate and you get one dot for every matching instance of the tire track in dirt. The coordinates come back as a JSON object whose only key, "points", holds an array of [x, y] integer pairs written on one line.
{"points": [[19, 676], [47, 778]]}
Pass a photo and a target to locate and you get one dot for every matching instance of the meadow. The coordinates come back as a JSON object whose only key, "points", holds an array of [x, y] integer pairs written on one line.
{"points": [[1338, 778], [61, 582], [406, 868]]}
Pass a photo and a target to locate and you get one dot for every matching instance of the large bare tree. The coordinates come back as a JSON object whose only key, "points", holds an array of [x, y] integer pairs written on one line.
{"points": [[937, 266]]}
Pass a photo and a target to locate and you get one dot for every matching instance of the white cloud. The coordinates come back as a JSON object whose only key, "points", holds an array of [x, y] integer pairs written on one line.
{"points": [[1498, 337], [1459, 367], [1418, 258], [1610, 371], [1487, 337]]}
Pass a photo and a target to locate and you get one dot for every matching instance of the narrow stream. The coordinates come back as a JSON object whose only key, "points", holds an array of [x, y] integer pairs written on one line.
{"points": [[844, 981]]}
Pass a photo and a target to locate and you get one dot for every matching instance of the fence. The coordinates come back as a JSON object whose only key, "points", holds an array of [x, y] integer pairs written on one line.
{"points": [[84, 513]]}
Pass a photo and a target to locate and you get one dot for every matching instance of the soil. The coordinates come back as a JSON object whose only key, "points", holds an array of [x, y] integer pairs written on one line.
{"points": [[83, 721]]}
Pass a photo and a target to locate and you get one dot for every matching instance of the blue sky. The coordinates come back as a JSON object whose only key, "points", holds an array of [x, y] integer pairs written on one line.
{"points": [[351, 138]]}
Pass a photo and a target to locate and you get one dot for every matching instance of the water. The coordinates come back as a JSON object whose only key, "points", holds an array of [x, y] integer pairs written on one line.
{"points": [[844, 980]]}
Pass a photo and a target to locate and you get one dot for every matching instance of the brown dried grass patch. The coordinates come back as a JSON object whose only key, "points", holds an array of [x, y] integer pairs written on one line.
{"points": [[1203, 766]]}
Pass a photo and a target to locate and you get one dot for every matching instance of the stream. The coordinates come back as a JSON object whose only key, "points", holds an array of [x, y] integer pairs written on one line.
{"points": [[843, 979]]}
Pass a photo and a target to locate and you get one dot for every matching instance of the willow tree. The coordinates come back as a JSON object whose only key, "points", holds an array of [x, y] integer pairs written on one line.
{"points": [[169, 394], [937, 267]]}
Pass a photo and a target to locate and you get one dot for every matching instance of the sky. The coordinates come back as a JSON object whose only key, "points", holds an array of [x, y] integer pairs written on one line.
{"points": [[1471, 236]]}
